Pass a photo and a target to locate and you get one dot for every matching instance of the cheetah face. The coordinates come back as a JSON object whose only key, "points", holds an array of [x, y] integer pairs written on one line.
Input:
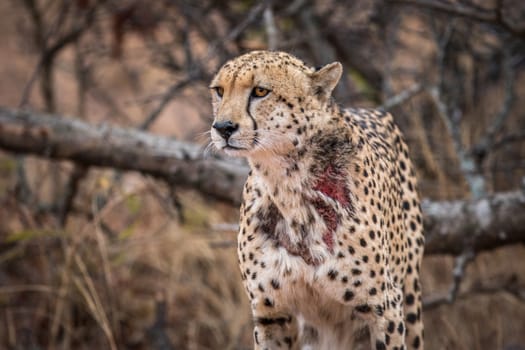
{"points": [[260, 100]]}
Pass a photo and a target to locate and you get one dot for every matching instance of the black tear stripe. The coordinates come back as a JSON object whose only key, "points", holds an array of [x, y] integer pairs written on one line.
{"points": [[255, 134], [265, 321]]}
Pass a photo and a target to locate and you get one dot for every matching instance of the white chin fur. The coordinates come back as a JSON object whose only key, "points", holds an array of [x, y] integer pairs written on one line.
{"points": [[235, 152]]}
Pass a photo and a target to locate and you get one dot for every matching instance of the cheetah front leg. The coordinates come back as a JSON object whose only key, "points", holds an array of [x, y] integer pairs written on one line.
{"points": [[412, 309], [274, 330], [387, 330]]}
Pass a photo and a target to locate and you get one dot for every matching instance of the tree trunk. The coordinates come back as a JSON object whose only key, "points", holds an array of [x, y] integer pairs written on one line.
{"points": [[450, 227]]}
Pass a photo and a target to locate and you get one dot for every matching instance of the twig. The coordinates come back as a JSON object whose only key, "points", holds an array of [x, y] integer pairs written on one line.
{"points": [[271, 29], [456, 8], [509, 75], [196, 71], [166, 98], [468, 166], [294, 7], [252, 15], [71, 189], [509, 285], [470, 12], [485, 145], [458, 272], [48, 52], [86, 287], [44, 67], [460, 264], [402, 97], [79, 171], [157, 331], [22, 189], [321, 48], [513, 137]]}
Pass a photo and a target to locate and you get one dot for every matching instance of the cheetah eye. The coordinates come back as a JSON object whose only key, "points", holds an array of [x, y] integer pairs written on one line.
{"points": [[259, 91], [219, 90]]}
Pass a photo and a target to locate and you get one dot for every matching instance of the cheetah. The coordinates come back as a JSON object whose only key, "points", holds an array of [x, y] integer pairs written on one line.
{"points": [[330, 240]]}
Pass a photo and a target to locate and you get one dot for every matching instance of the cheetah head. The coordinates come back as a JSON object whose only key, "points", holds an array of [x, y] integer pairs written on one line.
{"points": [[263, 102]]}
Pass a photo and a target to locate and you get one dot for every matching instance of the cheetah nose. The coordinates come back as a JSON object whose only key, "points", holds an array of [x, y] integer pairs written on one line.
{"points": [[226, 128]]}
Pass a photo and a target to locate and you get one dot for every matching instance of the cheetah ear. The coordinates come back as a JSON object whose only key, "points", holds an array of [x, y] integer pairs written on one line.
{"points": [[325, 79]]}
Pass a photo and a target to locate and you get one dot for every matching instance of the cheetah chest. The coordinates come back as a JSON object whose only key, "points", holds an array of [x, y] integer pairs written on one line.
{"points": [[312, 225]]}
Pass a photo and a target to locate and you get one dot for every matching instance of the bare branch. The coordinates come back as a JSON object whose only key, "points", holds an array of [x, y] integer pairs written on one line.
{"points": [[505, 140], [509, 285], [455, 8], [271, 29], [460, 264], [402, 97], [467, 164], [156, 333], [453, 227], [254, 12], [48, 51], [509, 76], [166, 99], [470, 12], [174, 161], [71, 188], [450, 227], [485, 145]]}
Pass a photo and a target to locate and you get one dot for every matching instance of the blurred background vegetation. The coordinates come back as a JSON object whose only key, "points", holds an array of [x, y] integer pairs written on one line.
{"points": [[95, 258]]}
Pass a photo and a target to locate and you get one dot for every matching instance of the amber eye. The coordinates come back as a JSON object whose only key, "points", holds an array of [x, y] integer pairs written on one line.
{"points": [[219, 90], [259, 92]]}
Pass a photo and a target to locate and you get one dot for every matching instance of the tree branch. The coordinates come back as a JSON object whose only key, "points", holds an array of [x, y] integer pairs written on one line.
{"points": [[487, 142], [271, 28], [457, 226], [452, 227], [508, 284], [471, 12], [402, 97], [460, 265], [451, 119], [108, 146]]}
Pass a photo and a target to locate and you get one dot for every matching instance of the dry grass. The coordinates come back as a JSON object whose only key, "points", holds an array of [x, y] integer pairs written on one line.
{"points": [[159, 280], [97, 290]]}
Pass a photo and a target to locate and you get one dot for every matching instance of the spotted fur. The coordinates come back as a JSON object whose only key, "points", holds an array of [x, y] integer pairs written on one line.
{"points": [[330, 240]]}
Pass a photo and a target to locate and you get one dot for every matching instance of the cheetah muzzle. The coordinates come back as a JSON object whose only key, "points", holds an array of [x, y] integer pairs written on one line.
{"points": [[330, 240]]}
